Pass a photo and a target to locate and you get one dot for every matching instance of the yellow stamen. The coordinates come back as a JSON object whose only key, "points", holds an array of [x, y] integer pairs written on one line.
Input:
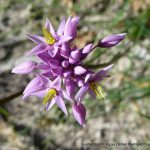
{"points": [[97, 89], [49, 96], [48, 36]]}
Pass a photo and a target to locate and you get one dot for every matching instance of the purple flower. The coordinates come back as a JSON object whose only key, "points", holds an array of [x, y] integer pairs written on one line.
{"points": [[112, 40], [50, 92], [51, 40], [59, 71], [25, 67], [91, 84], [38, 83], [79, 113]]}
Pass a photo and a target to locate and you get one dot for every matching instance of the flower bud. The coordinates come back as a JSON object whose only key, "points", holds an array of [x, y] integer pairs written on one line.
{"points": [[111, 40], [24, 68], [78, 70], [79, 113]]}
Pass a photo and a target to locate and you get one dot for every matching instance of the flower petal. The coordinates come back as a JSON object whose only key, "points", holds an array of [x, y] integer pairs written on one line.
{"points": [[40, 94], [57, 83], [61, 104], [61, 26], [50, 28], [102, 73], [81, 93], [36, 38], [66, 96], [39, 49], [49, 105]]}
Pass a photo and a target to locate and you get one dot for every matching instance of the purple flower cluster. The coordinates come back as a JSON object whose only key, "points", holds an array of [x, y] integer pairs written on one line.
{"points": [[59, 73]]}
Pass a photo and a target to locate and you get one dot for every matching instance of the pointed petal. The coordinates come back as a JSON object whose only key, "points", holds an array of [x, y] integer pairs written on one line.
{"points": [[102, 73], [66, 96], [81, 93], [36, 38], [57, 83], [68, 28], [24, 68], [49, 105], [61, 104], [61, 26], [38, 49], [63, 39], [50, 28]]}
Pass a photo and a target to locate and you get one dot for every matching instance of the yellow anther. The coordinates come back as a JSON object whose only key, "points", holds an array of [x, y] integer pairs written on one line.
{"points": [[97, 89], [48, 36], [49, 96]]}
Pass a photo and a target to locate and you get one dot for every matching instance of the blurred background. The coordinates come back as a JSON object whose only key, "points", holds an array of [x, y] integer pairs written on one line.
{"points": [[124, 116]]}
